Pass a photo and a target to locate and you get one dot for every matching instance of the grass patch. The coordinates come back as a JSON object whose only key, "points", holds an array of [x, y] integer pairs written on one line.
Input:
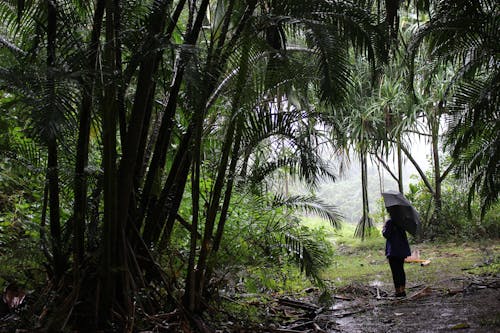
{"points": [[364, 262]]}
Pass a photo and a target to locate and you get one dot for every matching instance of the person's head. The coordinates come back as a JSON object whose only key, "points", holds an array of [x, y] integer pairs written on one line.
{"points": [[394, 212], [390, 210]]}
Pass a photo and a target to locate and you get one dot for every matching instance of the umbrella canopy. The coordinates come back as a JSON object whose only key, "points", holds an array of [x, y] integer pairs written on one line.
{"points": [[395, 198], [402, 212]]}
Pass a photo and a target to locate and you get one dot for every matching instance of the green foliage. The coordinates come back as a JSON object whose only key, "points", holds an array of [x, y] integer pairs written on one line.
{"points": [[357, 262], [259, 92], [271, 242], [465, 34], [20, 208], [455, 222], [490, 266]]}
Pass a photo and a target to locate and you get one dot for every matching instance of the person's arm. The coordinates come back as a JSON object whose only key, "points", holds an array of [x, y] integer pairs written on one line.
{"points": [[387, 229]]}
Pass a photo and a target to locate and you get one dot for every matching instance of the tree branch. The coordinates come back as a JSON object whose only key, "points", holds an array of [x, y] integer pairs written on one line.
{"points": [[447, 171], [420, 172], [386, 167]]}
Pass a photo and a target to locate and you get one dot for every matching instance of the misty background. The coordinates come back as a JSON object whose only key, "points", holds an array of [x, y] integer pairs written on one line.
{"points": [[345, 192]]}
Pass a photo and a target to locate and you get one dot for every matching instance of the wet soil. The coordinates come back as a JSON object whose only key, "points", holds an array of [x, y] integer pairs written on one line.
{"points": [[460, 305], [454, 304]]}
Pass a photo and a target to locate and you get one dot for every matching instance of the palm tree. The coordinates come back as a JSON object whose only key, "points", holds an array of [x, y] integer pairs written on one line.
{"points": [[362, 123], [50, 97], [278, 61], [146, 100], [465, 34], [408, 117]]}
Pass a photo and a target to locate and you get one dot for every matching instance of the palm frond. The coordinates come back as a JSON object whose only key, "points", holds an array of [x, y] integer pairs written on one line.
{"points": [[473, 137], [310, 205], [306, 166], [333, 68], [309, 254], [26, 153], [465, 34]]}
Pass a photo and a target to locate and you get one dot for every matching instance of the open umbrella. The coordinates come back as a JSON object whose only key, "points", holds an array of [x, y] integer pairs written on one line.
{"points": [[402, 212]]}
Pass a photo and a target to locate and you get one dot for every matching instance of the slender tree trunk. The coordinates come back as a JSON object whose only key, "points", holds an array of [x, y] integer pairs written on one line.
{"points": [[214, 203], [140, 114], [43, 221], [80, 181], [381, 188], [364, 227], [171, 194], [215, 63], [419, 170], [119, 79], [54, 215], [387, 168], [161, 146], [366, 206], [227, 199], [400, 166], [434, 124], [192, 298], [206, 243], [113, 264], [52, 160]]}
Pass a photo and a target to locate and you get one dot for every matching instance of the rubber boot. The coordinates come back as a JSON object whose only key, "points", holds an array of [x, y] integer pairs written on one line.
{"points": [[400, 291]]}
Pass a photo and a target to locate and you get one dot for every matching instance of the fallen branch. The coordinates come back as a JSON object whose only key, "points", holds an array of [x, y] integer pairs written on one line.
{"points": [[346, 314], [343, 298], [421, 293], [293, 327], [318, 329], [298, 304], [283, 330]]}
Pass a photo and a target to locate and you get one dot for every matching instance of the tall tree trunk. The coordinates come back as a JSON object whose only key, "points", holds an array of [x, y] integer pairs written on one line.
{"points": [[119, 79], [191, 296], [215, 63], [206, 243], [52, 160], [80, 181], [365, 224], [228, 146], [400, 166], [113, 266], [170, 195], [54, 215], [141, 112], [148, 200], [434, 124], [381, 188], [227, 200]]}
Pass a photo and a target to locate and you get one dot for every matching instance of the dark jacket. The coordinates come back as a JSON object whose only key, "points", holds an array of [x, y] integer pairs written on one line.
{"points": [[397, 242]]}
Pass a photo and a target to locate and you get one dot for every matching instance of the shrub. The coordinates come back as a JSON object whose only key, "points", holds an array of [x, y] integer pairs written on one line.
{"points": [[456, 220]]}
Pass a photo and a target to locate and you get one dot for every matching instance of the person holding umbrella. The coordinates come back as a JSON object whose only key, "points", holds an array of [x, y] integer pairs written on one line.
{"points": [[403, 218]]}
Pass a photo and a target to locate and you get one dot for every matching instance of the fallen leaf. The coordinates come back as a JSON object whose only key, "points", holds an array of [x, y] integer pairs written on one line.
{"points": [[460, 326]]}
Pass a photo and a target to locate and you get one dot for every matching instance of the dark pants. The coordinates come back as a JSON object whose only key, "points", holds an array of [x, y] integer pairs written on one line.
{"points": [[398, 272]]}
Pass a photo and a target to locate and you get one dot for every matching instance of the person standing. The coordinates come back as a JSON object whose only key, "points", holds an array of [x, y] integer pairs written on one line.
{"points": [[396, 250]]}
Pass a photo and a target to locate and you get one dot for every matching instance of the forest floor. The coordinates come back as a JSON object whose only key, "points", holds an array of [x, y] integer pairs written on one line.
{"points": [[466, 304], [459, 291]]}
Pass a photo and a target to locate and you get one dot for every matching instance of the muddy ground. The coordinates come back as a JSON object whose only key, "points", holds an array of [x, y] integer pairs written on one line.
{"points": [[460, 304], [456, 305]]}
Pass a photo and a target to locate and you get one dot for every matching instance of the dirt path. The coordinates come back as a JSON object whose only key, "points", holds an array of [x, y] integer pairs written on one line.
{"points": [[456, 304], [460, 305]]}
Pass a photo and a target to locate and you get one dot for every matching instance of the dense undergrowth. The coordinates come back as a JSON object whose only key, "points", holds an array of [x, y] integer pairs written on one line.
{"points": [[249, 283], [269, 250]]}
